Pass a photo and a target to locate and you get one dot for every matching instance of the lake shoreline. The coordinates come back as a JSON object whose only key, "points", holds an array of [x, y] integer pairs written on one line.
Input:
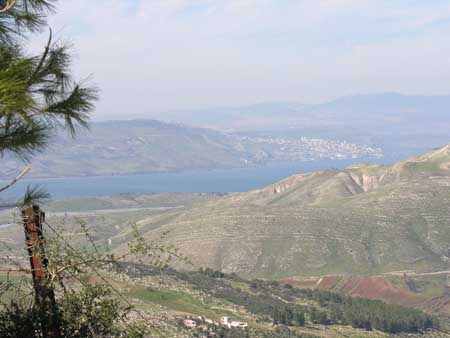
{"points": [[198, 181], [370, 160]]}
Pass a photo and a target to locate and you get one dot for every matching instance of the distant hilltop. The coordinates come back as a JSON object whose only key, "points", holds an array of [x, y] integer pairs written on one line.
{"points": [[148, 146], [402, 125]]}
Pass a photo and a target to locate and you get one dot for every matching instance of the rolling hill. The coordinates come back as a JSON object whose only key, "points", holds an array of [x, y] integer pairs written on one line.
{"points": [[365, 220], [149, 146]]}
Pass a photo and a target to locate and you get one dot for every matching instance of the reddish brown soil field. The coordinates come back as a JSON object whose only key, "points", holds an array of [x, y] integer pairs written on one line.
{"points": [[364, 287], [377, 288]]}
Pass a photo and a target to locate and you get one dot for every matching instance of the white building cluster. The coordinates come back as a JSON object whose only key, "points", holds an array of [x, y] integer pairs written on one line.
{"points": [[226, 322], [229, 323]]}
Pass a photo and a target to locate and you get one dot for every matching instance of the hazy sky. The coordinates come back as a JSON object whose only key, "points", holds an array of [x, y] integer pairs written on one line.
{"points": [[157, 55]]}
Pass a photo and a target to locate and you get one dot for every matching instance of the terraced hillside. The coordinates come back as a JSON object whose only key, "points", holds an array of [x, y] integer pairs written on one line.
{"points": [[365, 219], [105, 215]]}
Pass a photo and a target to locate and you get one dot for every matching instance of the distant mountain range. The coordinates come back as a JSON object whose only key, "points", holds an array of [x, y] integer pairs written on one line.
{"points": [[359, 126], [401, 125], [366, 219], [146, 146]]}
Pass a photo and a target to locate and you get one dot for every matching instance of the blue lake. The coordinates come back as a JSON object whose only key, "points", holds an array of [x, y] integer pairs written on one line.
{"points": [[226, 180]]}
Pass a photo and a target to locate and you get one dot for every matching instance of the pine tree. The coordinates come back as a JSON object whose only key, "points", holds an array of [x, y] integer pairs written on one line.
{"points": [[38, 94]]}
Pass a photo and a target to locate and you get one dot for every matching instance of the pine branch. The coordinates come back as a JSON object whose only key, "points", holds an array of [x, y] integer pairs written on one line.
{"points": [[38, 96], [34, 194], [18, 17], [16, 179], [75, 108], [23, 138], [42, 60]]}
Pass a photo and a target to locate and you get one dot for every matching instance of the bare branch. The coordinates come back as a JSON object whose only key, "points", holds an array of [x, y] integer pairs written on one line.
{"points": [[8, 7], [14, 181]]}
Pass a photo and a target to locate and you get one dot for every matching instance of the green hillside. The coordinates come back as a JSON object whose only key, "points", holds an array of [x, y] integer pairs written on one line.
{"points": [[365, 219], [148, 146], [107, 216], [269, 309]]}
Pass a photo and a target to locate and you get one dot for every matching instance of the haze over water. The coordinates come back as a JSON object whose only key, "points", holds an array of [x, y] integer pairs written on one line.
{"points": [[221, 181]]}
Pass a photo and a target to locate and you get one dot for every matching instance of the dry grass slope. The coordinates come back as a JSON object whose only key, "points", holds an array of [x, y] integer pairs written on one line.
{"points": [[365, 219]]}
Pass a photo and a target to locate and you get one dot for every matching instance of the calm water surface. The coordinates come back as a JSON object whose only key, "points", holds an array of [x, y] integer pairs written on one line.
{"points": [[226, 180]]}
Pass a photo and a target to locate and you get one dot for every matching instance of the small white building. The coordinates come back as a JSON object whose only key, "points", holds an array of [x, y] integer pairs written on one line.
{"points": [[229, 323]]}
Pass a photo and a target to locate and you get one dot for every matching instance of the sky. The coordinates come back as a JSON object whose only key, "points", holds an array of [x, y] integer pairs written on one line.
{"points": [[158, 55]]}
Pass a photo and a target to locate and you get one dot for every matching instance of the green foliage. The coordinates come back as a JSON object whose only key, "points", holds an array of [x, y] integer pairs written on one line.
{"points": [[23, 17], [87, 313], [277, 302], [368, 314], [87, 305], [38, 95], [16, 321], [35, 194], [95, 311]]}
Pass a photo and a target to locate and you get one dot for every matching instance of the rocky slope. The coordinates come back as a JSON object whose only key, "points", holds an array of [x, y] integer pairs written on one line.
{"points": [[365, 219]]}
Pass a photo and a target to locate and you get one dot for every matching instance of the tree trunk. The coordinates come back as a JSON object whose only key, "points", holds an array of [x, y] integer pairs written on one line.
{"points": [[44, 293]]}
